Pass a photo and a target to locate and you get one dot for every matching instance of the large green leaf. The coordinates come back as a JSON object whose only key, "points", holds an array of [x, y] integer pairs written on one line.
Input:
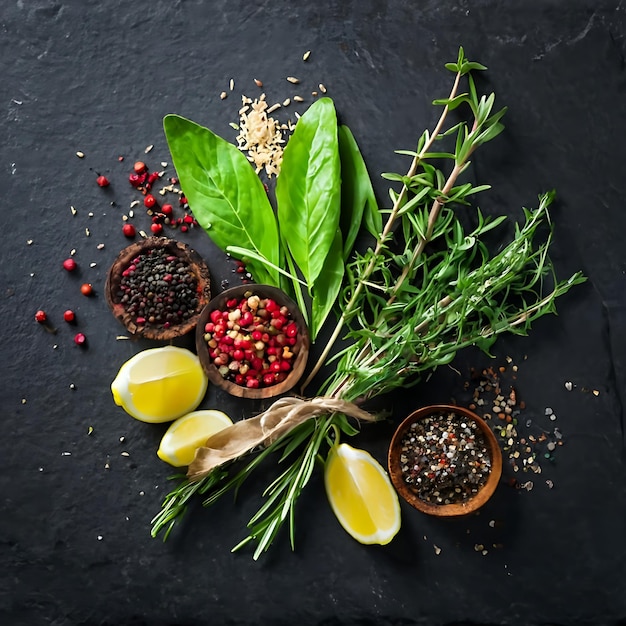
{"points": [[225, 194], [357, 193], [308, 189]]}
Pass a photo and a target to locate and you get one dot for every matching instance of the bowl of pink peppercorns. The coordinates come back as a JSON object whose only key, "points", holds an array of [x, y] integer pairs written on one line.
{"points": [[252, 341]]}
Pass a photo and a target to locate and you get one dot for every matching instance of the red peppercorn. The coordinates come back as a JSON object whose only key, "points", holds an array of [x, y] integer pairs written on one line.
{"points": [[102, 181], [167, 209], [41, 316], [156, 228], [86, 289], [149, 201], [80, 339], [135, 180], [139, 167], [69, 316], [153, 177], [70, 265], [129, 230]]}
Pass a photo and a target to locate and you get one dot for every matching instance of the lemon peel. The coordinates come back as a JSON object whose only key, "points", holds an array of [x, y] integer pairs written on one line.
{"points": [[160, 384], [361, 495], [188, 433]]}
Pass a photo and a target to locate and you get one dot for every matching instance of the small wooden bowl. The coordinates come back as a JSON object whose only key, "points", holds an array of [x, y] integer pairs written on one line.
{"points": [[174, 248], [409, 493], [300, 349]]}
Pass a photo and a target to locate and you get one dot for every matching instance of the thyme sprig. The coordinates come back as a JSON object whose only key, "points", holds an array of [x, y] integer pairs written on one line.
{"points": [[425, 290]]}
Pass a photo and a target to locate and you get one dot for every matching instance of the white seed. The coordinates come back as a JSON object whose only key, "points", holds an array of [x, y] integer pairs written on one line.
{"points": [[92, 265], [223, 95], [163, 164], [148, 149], [273, 108], [100, 246], [298, 98], [258, 83], [314, 94], [73, 210], [322, 88], [80, 155], [306, 55], [568, 385], [293, 80], [131, 214], [286, 102], [29, 242], [87, 233], [231, 84], [124, 453], [121, 337]]}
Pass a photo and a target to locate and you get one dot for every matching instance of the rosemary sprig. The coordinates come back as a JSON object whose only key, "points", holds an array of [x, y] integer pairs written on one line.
{"points": [[406, 308]]}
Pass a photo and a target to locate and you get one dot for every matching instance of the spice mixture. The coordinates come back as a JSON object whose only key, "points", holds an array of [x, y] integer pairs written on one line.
{"points": [[158, 288], [445, 458]]}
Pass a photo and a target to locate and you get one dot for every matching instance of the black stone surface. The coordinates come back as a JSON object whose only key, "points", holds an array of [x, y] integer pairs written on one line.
{"points": [[98, 77]]}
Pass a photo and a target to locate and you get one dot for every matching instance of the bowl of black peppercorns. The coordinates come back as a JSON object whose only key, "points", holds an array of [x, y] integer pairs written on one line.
{"points": [[157, 288], [444, 460]]}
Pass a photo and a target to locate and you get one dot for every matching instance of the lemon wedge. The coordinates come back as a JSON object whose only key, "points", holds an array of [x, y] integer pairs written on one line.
{"points": [[361, 495], [160, 384], [188, 433]]}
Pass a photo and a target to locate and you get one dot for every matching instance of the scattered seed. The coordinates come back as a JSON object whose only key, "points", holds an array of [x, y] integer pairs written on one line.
{"points": [[231, 84], [223, 95], [322, 88], [73, 210], [121, 337], [550, 484], [72, 386], [29, 242], [124, 453], [66, 454], [306, 55], [148, 149], [298, 98], [286, 102], [568, 385], [314, 94], [87, 232], [274, 107], [258, 83], [233, 125], [437, 549], [595, 392], [293, 80], [80, 155], [492, 523]]}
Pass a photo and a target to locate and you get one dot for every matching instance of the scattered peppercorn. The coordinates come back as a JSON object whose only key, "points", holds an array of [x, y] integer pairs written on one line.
{"points": [[129, 230], [139, 167], [102, 181], [149, 201], [41, 316], [156, 228], [70, 264], [86, 289], [69, 316], [80, 339]]}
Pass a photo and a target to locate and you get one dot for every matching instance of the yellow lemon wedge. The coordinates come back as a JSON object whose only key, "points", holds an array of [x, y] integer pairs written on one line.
{"points": [[188, 433], [160, 384], [361, 495]]}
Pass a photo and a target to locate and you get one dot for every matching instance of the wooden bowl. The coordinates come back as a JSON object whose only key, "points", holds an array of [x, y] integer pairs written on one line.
{"points": [[410, 493], [175, 248], [300, 349]]}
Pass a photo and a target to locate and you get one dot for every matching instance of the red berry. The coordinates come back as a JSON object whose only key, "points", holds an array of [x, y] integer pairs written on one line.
{"points": [[69, 316], [80, 339], [70, 265], [149, 201], [139, 167], [41, 316], [135, 180], [156, 228], [102, 181], [167, 209], [86, 289], [152, 178], [129, 230]]}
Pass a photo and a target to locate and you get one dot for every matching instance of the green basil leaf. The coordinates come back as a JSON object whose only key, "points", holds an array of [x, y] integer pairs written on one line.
{"points": [[308, 188], [225, 194], [357, 193], [327, 286]]}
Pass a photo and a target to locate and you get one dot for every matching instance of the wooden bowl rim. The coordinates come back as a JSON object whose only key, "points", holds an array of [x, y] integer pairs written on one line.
{"points": [[445, 510], [301, 349], [181, 250]]}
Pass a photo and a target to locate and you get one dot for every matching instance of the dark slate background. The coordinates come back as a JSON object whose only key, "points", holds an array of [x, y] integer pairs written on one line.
{"points": [[99, 77]]}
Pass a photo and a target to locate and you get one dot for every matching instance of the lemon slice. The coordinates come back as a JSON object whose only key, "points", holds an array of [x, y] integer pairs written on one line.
{"points": [[361, 495], [188, 433], [160, 384]]}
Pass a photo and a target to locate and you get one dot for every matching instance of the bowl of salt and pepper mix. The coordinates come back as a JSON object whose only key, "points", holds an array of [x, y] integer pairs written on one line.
{"points": [[445, 461], [252, 341]]}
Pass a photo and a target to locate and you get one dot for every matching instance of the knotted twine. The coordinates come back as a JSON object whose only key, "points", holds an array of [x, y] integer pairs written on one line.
{"points": [[285, 414]]}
